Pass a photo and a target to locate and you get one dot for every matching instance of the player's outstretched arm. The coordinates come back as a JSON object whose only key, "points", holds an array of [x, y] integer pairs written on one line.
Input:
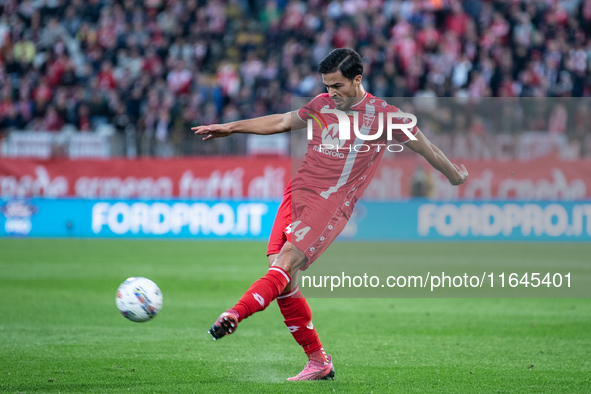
{"points": [[264, 125], [454, 173]]}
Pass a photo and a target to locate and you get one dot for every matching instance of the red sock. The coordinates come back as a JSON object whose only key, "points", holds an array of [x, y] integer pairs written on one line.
{"points": [[262, 292], [298, 319]]}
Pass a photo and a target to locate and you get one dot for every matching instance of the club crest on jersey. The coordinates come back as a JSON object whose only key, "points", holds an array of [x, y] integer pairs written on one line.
{"points": [[368, 119]]}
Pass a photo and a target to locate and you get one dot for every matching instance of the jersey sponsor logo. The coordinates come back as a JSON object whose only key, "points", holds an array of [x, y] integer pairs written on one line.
{"points": [[330, 136], [330, 132], [328, 151]]}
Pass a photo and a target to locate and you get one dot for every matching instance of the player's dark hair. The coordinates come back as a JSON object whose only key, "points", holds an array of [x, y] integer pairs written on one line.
{"points": [[345, 60]]}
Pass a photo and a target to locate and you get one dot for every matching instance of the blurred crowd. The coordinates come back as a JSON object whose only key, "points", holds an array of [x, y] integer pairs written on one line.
{"points": [[155, 68]]}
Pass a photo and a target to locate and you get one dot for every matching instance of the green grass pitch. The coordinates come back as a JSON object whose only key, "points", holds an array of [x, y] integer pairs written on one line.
{"points": [[61, 332]]}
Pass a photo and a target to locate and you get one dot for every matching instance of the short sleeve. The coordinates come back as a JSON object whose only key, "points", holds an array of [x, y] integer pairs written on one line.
{"points": [[310, 108]]}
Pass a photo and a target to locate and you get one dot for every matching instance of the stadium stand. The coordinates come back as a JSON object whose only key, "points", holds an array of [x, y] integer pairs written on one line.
{"points": [[149, 70]]}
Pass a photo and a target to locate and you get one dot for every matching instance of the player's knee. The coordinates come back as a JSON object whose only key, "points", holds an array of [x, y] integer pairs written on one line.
{"points": [[297, 258], [291, 259], [272, 258]]}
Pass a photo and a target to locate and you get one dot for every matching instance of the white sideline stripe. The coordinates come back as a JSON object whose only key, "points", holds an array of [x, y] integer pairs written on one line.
{"points": [[289, 294], [283, 272]]}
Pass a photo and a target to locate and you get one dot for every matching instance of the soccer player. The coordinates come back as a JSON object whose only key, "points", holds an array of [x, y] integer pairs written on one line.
{"points": [[320, 198]]}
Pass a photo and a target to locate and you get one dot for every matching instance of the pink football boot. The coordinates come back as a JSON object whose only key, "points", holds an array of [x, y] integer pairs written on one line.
{"points": [[315, 370]]}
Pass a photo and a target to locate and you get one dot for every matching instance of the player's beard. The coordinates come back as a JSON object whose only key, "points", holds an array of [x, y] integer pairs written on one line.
{"points": [[344, 103]]}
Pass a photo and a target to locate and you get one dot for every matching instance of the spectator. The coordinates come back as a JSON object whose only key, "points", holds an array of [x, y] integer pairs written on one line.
{"points": [[83, 118], [11, 119], [24, 50], [106, 79], [179, 80], [52, 33], [52, 120], [228, 59]]}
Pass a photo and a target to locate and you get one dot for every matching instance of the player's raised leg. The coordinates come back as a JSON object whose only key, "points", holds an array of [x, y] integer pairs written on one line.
{"points": [[261, 293]]}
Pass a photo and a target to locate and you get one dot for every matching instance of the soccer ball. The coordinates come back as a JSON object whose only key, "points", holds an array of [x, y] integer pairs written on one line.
{"points": [[139, 299]]}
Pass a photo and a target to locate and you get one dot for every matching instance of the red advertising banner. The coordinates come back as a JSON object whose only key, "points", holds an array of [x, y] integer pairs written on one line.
{"points": [[540, 179], [211, 177], [242, 177]]}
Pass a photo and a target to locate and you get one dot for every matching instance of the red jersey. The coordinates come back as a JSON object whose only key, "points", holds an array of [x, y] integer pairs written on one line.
{"points": [[340, 177]]}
